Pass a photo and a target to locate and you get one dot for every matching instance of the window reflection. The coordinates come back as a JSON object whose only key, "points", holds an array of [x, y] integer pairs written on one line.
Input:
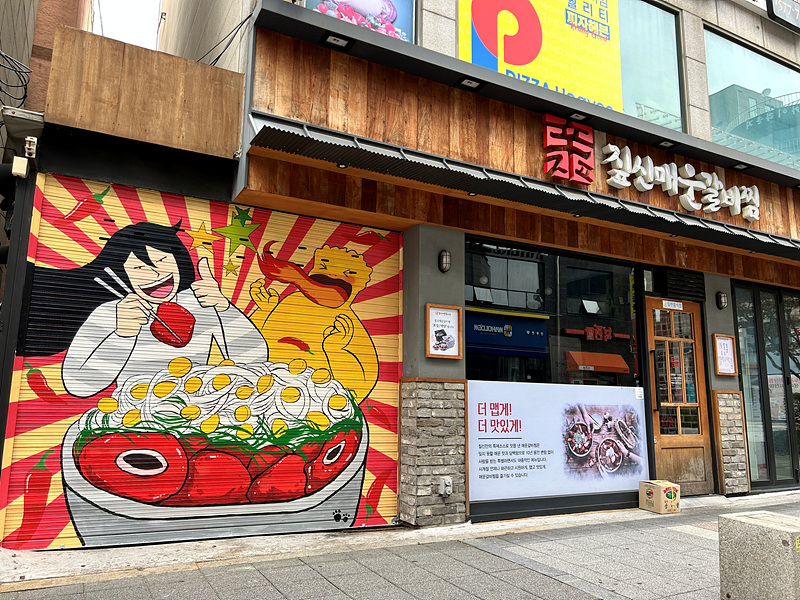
{"points": [[649, 55], [755, 102], [751, 384], [568, 319]]}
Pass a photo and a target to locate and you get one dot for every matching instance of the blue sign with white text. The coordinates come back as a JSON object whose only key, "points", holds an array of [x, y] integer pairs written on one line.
{"points": [[488, 329]]}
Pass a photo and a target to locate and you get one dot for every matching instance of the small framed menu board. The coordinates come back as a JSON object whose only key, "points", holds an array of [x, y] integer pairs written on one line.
{"points": [[725, 355], [443, 331]]}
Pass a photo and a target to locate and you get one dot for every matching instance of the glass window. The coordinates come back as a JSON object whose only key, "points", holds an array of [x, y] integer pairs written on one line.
{"points": [[649, 54], [751, 384], [588, 292], [532, 316], [755, 102]]}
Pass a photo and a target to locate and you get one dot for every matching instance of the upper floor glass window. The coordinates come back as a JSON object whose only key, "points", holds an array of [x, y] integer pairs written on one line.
{"points": [[755, 102], [651, 88]]}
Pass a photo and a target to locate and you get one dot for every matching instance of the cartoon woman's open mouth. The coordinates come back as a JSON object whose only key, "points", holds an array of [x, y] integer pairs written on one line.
{"points": [[160, 288]]}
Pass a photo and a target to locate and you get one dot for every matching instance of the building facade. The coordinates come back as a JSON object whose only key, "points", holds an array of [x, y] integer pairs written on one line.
{"points": [[407, 269]]}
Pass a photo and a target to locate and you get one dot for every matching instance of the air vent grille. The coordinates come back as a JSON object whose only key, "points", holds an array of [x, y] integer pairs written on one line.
{"points": [[685, 285]]}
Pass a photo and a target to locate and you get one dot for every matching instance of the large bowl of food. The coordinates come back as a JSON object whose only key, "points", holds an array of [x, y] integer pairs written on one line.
{"points": [[579, 439], [197, 451], [609, 455]]}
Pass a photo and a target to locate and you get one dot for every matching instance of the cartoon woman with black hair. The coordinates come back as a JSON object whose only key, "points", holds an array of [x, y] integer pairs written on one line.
{"points": [[133, 309]]}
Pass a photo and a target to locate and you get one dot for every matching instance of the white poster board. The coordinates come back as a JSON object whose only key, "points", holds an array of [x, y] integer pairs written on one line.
{"points": [[443, 330], [725, 355], [531, 440]]}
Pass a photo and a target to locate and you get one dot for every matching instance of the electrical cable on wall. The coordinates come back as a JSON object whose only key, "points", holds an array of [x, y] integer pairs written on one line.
{"points": [[14, 80], [232, 35]]}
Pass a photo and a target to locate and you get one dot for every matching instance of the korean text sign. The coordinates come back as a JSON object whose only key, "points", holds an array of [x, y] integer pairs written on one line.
{"points": [[536, 439], [569, 46]]}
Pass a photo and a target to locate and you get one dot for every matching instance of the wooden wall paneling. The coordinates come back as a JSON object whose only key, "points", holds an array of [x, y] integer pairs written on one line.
{"points": [[450, 210], [433, 118], [501, 132], [435, 209], [724, 263], [285, 50], [395, 110], [369, 195], [385, 200], [497, 220], [315, 65], [338, 99], [376, 101], [548, 225], [353, 191], [357, 97], [483, 133], [264, 81], [463, 121], [102, 85], [425, 118], [404, 202]]}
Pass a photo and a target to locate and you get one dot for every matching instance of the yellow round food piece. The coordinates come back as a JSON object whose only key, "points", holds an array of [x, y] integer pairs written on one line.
{"points": [[163, 388], [264, 383], [279, 427], [244, 392], [321, 376], [132, 417], [179, 367], [220, 381], [242, 413], [107, 405], [290, 394], [193, 384], [139, 391], [337, 402], [191, 412], [210, 424], [318, 420], [297, 366], [245, 432], [227, 363]]}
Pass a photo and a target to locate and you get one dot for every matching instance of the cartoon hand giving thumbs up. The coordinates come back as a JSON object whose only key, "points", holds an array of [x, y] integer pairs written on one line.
{"points": [[206, 289]]}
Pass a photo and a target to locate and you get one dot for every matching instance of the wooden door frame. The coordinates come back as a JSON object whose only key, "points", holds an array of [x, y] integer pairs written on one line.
{"points": [[706, 439]]}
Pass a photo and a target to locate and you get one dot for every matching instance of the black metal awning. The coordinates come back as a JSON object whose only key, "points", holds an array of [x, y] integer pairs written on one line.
{"points": [[303, 139]]}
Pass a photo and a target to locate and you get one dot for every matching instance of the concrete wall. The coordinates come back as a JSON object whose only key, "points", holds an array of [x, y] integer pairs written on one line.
{"points": [[718, 321], [192, 27], [423, 283]]}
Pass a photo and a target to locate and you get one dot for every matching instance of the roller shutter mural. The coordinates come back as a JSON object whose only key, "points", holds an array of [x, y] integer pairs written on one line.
{"points": [[193, 369]]}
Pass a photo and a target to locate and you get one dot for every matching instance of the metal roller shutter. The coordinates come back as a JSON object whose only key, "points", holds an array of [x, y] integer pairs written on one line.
{"points": [[192, 370]]}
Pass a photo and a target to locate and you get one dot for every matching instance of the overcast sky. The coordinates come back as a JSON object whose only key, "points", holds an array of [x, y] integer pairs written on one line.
{"points": [[130, 21]]}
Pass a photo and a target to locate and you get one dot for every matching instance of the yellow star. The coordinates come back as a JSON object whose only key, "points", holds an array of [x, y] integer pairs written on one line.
{"points": [[230, 268], [202, 239]]}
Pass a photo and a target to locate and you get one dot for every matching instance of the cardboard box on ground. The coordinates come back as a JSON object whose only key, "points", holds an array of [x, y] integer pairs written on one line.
{"points": [[660, 496]]}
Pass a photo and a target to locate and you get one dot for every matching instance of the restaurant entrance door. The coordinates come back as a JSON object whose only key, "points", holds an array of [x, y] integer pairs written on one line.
{"points": [[680, 417]]}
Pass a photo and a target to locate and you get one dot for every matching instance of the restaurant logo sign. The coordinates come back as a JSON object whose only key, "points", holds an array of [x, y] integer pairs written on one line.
{"points": [[684, 182], [570, 150], [568, 46], [598, 333]]}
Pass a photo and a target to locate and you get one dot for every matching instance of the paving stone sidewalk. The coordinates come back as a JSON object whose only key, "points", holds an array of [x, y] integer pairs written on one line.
{"points": [[619, 557]]}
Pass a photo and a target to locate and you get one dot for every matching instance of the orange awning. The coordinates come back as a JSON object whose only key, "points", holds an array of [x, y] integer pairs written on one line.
{"points": [[596, 361]]}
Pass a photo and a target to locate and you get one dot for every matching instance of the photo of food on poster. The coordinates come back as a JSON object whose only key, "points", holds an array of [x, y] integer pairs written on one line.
{"points": [[443, 331], [394, 18], [538, 439]]}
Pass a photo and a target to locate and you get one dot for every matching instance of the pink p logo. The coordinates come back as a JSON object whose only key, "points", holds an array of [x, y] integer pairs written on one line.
{"points": [[523, 47]]}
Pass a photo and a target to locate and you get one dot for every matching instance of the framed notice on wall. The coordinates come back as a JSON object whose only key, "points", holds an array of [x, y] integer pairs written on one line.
{"points": [[443, 331], [725, 355]]}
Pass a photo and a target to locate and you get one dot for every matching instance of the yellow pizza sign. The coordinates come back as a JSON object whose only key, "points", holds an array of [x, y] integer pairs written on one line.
{"points": [[568, 46]]}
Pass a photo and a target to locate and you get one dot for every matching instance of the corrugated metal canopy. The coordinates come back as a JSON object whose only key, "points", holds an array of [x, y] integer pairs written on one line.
{"points": [[293, 137]]}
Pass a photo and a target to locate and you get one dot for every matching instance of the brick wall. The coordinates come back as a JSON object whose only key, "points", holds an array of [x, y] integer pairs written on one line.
{"points": [[732, 442], [432, 446]]}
